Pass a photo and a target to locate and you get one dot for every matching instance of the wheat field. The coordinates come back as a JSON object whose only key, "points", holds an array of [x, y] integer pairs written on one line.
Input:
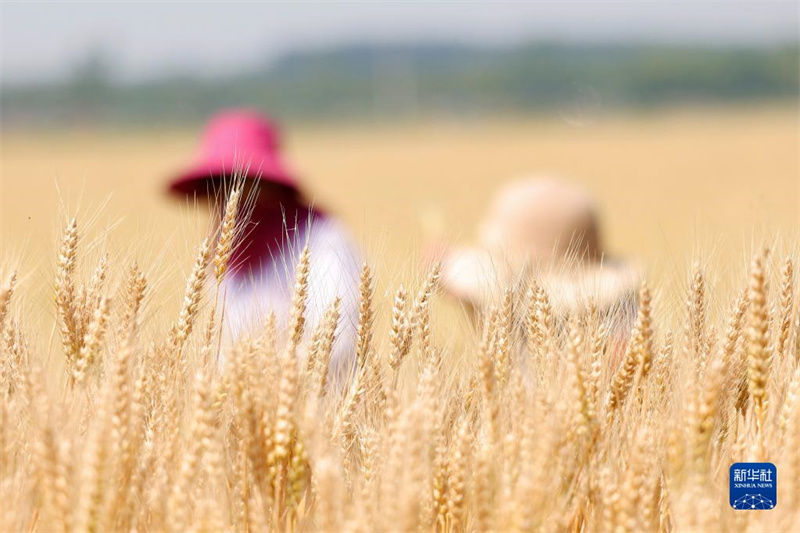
{"points": [[672, 186], [116, 416]]}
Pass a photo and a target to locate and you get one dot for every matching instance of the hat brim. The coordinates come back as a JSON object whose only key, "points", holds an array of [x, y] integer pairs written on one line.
{"points": [[199, 179], [475, 276]]}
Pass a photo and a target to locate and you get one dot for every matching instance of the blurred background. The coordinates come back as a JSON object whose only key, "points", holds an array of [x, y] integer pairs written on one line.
{"points": [[403, 117]]}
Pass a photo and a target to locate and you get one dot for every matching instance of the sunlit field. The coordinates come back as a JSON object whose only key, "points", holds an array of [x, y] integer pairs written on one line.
{"points": [[674, 187], [115, 415]]}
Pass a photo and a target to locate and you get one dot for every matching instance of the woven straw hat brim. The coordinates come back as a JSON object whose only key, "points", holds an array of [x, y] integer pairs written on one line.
{"points": [[476, 276]]}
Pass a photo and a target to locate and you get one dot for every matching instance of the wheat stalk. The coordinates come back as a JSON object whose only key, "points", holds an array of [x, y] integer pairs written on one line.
{"points": [[199, 436]]}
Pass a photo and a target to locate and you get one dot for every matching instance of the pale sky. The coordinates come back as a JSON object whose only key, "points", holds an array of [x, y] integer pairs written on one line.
{"points": [[42, 40]]}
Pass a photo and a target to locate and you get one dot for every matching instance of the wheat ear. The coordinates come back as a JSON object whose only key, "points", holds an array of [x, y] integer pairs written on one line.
{"points": [[297, 320], [458, 463], [544, 317], [704, 414], [696, 305], [65, 291], [421, 313], [92, 341], [735, 369], [785, 310], [319, 358], [645, 331], [6, 292], [582, 410], [400, 334], [191, 299], [365, 317], [227, 236], [623, 378], [502, 354], [758, 357], [135, 288]]}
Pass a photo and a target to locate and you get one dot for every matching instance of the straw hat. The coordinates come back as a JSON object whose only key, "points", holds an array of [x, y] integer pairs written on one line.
{"points": [[546, 229]]}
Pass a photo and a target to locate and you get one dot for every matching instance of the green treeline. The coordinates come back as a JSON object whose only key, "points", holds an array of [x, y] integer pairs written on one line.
{"points": [[386, 81]]}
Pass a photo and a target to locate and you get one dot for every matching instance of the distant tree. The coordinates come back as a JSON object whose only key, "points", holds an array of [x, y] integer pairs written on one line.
{"points": [[90, 85]]}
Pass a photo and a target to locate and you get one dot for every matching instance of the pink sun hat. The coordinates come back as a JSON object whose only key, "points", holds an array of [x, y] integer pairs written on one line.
{"points": [[237, 141]]}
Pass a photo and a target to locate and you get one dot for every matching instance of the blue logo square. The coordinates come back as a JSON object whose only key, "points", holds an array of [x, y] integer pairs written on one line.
{"points": [[753, 486]]}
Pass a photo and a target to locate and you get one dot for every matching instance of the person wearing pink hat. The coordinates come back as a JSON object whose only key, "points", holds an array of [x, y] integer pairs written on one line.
{"points": [[245, 145]]}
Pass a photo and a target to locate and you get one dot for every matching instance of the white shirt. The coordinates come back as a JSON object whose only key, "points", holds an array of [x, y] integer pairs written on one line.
{"points": [[335, 269]]}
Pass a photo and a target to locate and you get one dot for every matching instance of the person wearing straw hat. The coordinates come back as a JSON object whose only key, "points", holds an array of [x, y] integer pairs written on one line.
{"points": [[244, 146], [546, 229]]}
